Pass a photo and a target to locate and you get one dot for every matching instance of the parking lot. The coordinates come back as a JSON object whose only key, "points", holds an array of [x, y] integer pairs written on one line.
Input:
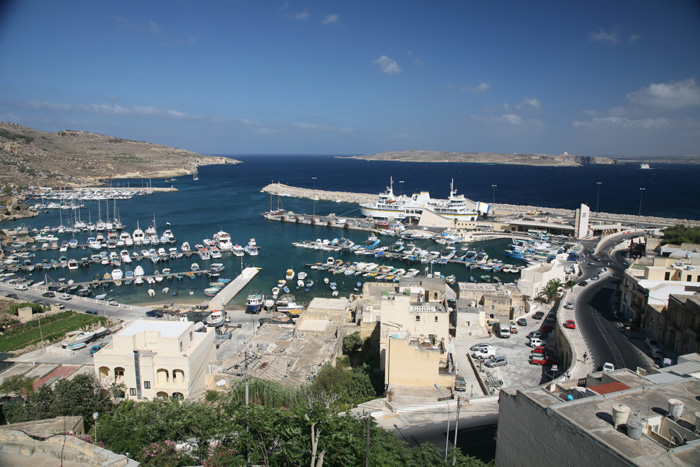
{"points": [[518, 372]]}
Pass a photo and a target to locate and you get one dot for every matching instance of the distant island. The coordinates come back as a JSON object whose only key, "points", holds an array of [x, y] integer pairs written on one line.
{"points": [[74, 158], [543, 160]]}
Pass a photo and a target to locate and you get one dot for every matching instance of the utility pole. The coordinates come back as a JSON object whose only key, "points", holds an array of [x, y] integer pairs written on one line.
{"points": [[247, 417], [454, 452]]}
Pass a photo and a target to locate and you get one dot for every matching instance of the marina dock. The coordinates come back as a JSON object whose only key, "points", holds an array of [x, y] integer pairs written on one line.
{"points": [[232, 289]]}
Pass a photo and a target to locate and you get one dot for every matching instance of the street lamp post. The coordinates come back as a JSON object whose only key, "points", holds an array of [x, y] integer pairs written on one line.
{"points": [[401, 183], [641, 192], [493, 197], [94, 416], [447, 436], [314, 215], [598, 198]]}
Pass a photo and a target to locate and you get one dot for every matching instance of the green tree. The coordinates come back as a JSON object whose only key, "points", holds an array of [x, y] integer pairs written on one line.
{"points": [[681, 233], [352, 343], [18, 384]]}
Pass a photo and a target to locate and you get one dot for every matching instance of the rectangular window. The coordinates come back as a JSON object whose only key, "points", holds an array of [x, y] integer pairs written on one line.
{"points": [[132, 391], [436, 319], [417, 318], [147, 385], [667, 276], [688, 278]]}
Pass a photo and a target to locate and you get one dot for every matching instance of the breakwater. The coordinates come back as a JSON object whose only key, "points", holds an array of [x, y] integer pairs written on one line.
{"points": [[502, 210]]}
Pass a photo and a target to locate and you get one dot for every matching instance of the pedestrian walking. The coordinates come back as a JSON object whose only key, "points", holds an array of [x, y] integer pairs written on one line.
{"points": [[568, 375], [585, 357]]}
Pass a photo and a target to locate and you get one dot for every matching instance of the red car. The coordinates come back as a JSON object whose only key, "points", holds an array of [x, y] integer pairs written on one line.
{"points": [[544, 360], [570, 324], [541, 349], [546, 328]]}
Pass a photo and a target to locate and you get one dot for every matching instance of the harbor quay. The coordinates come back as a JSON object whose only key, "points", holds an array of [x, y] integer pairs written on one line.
{"points": [[501, 210]]}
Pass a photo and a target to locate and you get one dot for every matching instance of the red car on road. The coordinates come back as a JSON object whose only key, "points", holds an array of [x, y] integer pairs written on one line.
{"points": [[544, 360], [541, 349], [570, 324]]}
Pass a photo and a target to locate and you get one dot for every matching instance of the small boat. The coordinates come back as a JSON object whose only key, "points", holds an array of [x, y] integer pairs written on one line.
{"points": [[290, 274], [151, 292], [78, 338], [254, 302], [211, 291], [216, 318], [76, 346]]}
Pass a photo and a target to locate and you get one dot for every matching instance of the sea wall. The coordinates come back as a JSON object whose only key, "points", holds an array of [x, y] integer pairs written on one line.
{"points": [[500, 209]]}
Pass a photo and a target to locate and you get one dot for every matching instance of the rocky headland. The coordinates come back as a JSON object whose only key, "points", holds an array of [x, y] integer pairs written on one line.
{"points": [[74, 158], [562, 160]]}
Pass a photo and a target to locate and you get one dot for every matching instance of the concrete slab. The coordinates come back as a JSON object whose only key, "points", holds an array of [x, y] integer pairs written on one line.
{"points": [[232, 289]]}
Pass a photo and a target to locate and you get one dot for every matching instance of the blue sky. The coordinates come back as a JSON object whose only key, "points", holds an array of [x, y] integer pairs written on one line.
{"points": [[595, 78]]}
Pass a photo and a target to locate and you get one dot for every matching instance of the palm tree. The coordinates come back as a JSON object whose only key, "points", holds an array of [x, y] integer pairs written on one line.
{"points": [[551, 290]]}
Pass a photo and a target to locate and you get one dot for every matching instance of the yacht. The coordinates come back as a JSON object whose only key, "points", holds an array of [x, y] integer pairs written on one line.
{"points": [[138, 235], [185, 247], [223, 241]]}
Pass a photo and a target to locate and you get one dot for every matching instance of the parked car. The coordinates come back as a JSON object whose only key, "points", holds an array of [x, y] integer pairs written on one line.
{"points": [[544, 360], [12, 295], [583, 283], [569, 305], [22, 287], [460, 384], [493, 362], [522, 322], [480, 346], [91, 312], [65, 296], [595, 277], [154, 314], [546, 328], [541, 349], [513, 328], [535, 342], [48, 294], [608, 366], [535, 334], [538, 315], [484, 353], [570, 324], [95, 348]]}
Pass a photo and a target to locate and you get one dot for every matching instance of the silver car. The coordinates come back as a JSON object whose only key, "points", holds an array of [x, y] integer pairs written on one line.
{"points": [[496, 361]]}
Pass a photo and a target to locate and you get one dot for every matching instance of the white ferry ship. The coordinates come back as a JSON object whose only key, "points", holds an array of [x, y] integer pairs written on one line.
{"points": [[644, 165], [390, 206]]}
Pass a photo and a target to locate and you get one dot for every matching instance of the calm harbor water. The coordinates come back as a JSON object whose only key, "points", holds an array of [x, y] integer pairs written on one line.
{"points": [[228, 198]]}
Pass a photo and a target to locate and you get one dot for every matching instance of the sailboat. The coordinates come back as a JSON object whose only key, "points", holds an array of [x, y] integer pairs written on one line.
{"points": [[195, 175]]}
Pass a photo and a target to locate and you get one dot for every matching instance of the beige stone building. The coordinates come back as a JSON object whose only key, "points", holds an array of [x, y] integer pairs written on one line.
{"points": [[157, 359]]}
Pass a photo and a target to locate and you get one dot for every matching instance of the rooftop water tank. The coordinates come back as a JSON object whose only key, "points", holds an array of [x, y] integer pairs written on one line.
{"points": [[634, 429], [675, 408], [620, 414]]}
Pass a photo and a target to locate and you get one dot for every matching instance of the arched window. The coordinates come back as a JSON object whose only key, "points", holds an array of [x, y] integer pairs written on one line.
{"points": [[161, 394], [178, 395], [163, 376], [119, 375], [104, 373], [178, 376]]}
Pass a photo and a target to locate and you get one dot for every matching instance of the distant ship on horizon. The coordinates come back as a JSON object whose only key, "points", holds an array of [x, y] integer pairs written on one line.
{"points": [[644, 165]]}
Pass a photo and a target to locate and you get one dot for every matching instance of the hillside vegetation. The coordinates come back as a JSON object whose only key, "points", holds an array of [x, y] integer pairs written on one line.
{"points": [[71, 158]]}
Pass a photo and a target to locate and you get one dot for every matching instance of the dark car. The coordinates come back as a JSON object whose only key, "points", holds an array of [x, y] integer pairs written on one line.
{"points": [[154, 314], [583, 283], [538, 315], [92, 312], [522, 322], [48, 294], [12, 295], [546, 328]]}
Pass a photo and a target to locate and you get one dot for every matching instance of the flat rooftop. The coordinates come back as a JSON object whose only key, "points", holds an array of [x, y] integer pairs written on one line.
{"points": [[593, 415], [166, 328]]}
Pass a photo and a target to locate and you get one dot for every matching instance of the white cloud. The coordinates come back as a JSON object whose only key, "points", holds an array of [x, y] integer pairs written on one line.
{"points": [[665, 96], [317, 127], [623, 122], [302, 15], [510, 120], [634, 38], [331, 18], [478, 89], [529, 103], [387, 65], [602, 36], [106, 109]]}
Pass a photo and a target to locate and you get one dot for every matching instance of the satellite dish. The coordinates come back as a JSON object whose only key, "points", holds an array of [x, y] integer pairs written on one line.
{"points": [[676, 437]]}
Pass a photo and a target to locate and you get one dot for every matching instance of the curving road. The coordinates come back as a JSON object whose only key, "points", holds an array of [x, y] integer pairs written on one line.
{"points": [[606, 337]]}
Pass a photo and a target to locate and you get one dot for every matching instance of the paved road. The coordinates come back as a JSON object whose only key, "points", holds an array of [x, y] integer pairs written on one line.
{"points": [[606, 337]]}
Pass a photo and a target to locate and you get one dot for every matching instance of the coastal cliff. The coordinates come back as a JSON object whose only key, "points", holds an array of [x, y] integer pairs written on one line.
{"points": [[73, 158], [562, 160]]}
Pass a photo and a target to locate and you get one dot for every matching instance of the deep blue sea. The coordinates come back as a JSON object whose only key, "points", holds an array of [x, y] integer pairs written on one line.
{"points": [[229, 198]]}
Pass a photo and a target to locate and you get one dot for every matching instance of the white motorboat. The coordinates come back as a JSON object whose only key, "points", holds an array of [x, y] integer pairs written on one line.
{"points": [[216, 318], [223, 241]]}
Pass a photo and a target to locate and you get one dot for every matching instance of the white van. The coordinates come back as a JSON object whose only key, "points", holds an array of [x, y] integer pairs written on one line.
{"points": [[502, 330]]}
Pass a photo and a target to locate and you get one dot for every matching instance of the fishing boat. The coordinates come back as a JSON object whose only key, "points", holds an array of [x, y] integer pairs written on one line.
{"points": [[254, 302], [78, 338], [290, 274]]}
